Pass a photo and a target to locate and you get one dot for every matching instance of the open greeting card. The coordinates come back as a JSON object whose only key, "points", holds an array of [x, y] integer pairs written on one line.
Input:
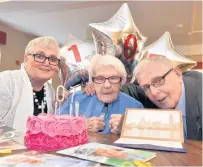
{"points": [[36, 159], [159, 129], [11, 145], [6, 133], [107, 154]]}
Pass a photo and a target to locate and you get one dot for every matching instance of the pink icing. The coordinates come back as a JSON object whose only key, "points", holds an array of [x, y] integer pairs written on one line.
{"points": [[63, 127], [78, 124], [49, 127], [34, 125], [34, 139], [50, 142], [84, 137], [63, 117], [65, 142], [48, 132]]}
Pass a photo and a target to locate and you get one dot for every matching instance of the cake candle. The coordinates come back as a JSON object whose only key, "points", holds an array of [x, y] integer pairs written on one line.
{"points": [[77, 105]]}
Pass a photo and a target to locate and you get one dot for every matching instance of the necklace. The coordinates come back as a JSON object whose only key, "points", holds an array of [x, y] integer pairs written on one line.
{"points": [[43, 103]]}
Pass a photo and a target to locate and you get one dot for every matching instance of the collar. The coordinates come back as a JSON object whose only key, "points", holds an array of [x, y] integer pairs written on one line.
{"points": [[181, 104]]}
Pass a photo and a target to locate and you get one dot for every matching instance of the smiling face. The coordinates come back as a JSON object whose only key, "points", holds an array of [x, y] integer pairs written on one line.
{"points": [[41, 72], [167, 95], [107, 92]]}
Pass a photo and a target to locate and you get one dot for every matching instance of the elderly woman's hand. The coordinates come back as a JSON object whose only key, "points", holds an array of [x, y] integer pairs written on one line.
{"points": [[95, 124], [115, 123], [89, 89]]}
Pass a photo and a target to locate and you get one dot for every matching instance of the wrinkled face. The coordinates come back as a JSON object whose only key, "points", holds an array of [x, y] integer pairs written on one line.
{"points": [[41, 72], [167, 95], [107, 92]]}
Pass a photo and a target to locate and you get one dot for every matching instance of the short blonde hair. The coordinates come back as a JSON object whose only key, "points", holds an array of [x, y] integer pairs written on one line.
{"points": [[42, 41], [143, 64], [106, 60]]}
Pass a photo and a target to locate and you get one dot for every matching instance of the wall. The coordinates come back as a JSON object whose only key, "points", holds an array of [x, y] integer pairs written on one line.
{"points": [[14, 48], [17, 41]]}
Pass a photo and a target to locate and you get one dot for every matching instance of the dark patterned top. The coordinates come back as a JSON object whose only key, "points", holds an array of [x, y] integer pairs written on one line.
{"points": [[40, 96]]}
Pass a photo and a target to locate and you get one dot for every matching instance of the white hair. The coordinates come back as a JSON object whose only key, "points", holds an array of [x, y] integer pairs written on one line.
{"points": [[160, 60], [42, 41], [106, 60]]}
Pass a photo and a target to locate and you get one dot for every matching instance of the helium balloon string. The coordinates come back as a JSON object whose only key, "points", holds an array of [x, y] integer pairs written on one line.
{"points": [[77, 108]]}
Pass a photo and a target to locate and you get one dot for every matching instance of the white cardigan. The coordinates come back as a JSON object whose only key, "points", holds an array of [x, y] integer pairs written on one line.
{"points": [[16, 98]]}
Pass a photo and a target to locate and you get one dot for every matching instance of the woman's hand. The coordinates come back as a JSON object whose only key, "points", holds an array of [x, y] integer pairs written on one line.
{"points": [[95, 124], [115, 123], [89, 89]]}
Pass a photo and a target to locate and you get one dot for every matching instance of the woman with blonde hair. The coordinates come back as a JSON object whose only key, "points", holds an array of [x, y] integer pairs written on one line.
{"points": [[26, 91]]}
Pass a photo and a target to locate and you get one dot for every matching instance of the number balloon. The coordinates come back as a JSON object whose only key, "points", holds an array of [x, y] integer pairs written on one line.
{"points": [[75, 58]]}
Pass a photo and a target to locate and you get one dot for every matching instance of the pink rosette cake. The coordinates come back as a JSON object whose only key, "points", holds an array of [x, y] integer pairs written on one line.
{"points": [[48, 132]]}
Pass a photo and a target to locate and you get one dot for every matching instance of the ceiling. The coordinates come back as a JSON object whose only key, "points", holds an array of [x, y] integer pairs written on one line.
{"points": [[59, 19]]}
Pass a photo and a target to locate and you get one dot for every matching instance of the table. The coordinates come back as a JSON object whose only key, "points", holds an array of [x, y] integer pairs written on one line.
{"points": [[193, 157]]}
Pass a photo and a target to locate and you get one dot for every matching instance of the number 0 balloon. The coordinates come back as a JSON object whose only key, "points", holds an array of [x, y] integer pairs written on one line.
{"points": [[119, 37]]}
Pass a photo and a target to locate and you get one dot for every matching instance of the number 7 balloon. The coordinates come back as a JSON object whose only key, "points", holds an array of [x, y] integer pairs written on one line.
{"points": [[75, 58]]}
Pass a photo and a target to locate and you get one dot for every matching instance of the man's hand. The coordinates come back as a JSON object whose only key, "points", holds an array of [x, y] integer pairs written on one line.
{"points": [[95, 124], [115, 123], [89, 89]]}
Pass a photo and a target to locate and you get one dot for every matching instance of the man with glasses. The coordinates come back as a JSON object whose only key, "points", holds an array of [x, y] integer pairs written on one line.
{"points": [[105, 109], [26, 91], [162, 86]]}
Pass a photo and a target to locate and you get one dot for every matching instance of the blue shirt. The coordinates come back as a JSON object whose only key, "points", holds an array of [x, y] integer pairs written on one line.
{"points": [[182, 106], [91, 106]]}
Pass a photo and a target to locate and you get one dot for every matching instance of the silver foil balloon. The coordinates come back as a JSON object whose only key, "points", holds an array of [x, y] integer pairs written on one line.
{"points": [[120, 37], [75, 59], [164, 46]]}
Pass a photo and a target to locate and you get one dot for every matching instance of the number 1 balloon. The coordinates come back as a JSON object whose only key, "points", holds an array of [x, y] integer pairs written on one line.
{"points": [[75, 59]]}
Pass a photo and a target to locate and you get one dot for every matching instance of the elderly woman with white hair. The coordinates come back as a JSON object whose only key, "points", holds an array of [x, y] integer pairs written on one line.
{"points": [[104, 109], [26, 91]]}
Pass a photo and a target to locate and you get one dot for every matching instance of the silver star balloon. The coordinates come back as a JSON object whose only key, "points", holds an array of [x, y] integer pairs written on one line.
{"points": [[75, 59], [119, 37], [164, 46]]}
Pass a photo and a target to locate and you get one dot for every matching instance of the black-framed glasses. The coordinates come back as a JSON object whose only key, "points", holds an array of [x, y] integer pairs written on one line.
{"points": [[42, 58], [156, 82], [101, 79]]}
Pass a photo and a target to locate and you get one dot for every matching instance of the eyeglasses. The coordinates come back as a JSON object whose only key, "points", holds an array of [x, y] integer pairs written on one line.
{"points": [[156, 82], [101, 80], [41, 59]]}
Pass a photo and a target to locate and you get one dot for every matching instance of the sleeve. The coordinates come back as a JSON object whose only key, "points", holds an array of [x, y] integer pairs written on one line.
{"points": [[134, 90], [135, 103], [198, 87], [65, 107], [139, 105], [7, 87]]}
